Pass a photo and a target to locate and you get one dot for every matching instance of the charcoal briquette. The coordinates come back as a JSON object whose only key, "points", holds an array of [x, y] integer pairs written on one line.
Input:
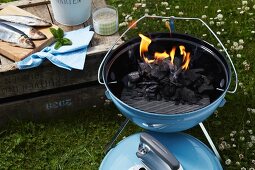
{"points": [[134, 76], [144, 68], [205, 87]]}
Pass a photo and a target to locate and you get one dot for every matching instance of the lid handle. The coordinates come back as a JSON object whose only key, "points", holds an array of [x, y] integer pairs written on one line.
{"points": [[154, 155]]}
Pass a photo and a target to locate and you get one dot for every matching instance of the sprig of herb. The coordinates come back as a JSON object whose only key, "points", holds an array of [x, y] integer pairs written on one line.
{"points": [[59, 36]]}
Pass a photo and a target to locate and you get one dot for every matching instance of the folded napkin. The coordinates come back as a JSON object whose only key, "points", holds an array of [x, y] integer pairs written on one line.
{"points": [[67, 57]]}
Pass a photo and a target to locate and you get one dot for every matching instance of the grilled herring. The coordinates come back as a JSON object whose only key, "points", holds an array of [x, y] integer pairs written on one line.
{"points": [[28, 30], [15, 36], [26, 20]]}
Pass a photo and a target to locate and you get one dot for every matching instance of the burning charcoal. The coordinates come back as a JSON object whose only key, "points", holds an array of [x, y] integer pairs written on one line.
{"points": [[150, 96], [198, 82], [161, 79], [165, 91], [172, 89], [190, 76], [125, 80], [127, 83], [177, 102], [164, 66], [206, 79], [168, 91], [171, 79], [152, 89], [139, 94], [185, 95], [127, 92], [181, 101], [167, 65], [177, 63], [159, 97], [144, 68], [197, 70], [134, 94], [176, 73], [189, 96], [140, 91], [157, 74], [164, 81], [202, 81], [134, 76], [147, 83], [205, 87], [186, 82], [174, 81], [177, 95], [131, 85]]}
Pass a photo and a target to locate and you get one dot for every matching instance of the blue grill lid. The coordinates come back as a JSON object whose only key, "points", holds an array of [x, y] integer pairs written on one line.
{"points": [[191, 153]]}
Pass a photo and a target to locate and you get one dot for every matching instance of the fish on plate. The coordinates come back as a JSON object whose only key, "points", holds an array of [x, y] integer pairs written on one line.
{"points": [[15, 36], [28, 30], [26, 20]]}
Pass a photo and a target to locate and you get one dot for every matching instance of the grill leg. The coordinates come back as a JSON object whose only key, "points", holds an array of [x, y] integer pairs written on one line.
{"points": [[116, 135], [210, 140]]}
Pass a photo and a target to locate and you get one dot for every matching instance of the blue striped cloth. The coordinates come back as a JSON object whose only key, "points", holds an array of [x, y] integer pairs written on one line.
{"points": [[67, 57]]}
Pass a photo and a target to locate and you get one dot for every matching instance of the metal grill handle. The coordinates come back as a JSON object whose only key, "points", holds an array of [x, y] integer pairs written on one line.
{"points": [[176, 18]]}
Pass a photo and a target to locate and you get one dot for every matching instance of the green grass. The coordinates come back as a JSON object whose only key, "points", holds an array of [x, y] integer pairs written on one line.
{"points": [[73, 142], [4, 1], [77, 142]]}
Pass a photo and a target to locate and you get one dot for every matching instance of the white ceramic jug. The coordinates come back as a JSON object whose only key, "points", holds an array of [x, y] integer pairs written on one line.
{"points": [[71, 12]]}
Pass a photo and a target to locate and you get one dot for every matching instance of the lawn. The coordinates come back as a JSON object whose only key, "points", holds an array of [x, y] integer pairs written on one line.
{"points": [[4, 1], [77, 141]]}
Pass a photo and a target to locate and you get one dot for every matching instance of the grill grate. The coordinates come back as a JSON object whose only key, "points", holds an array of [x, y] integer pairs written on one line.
{"points": [[161, 107]]}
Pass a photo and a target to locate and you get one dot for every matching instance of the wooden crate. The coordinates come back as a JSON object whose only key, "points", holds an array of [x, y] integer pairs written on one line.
{"points": [[17, 85], [52, 105]]}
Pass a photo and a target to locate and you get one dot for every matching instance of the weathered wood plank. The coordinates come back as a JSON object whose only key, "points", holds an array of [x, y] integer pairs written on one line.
{"points": [[6, 64], [99, 3], [7, 67], [103, 48], [25, 3], [98, 39], [5, 61], [41, 11], [47, 76], [52, 106]]}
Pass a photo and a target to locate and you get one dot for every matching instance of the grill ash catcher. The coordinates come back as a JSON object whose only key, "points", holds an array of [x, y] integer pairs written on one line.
{"points": [[165, 84]]}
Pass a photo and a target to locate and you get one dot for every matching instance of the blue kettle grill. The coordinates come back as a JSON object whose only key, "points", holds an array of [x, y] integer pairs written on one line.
{"points": [[163, 146]]}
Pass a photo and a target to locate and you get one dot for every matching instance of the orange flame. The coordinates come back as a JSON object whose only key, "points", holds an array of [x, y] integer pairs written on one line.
{"points": [[148, 61], [172, 54], [161, 56], [186, 59], [182, 51], [144, 45], [158, 56]]}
